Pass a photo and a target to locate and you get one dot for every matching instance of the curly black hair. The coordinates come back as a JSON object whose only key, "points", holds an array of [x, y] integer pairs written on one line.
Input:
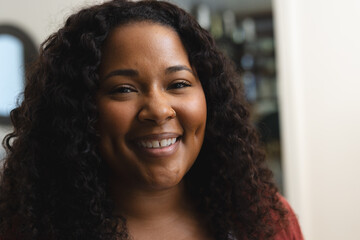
{"points": [[53, 184]]}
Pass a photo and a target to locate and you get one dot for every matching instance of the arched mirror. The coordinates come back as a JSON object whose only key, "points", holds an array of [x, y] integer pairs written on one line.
{"points": [[16, 51]]}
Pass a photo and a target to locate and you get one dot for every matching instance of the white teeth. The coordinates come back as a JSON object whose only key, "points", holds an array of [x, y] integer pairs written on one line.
{"points": [[157, 143], [163, 143]]}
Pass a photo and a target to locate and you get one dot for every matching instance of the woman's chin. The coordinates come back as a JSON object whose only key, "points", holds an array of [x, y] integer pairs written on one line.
{"points": [[163, 182]]}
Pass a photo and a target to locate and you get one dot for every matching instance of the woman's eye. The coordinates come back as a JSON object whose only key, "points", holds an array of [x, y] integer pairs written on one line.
{"points": [[123, 89], [181, 84]]}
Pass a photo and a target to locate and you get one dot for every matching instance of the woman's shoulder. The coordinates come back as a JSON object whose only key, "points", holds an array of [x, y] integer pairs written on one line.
{"points": [[292, 230]]}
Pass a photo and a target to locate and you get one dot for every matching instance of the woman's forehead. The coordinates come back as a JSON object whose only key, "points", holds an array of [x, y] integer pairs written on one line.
{"points": [[133, 45]]}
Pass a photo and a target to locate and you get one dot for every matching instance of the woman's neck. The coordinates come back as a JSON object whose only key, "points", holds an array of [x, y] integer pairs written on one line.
{"points": [[150, 204], [159, 214]]}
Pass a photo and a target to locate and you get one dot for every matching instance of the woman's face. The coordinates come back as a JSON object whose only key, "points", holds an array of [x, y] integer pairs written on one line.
{"points": [[152, 109]]}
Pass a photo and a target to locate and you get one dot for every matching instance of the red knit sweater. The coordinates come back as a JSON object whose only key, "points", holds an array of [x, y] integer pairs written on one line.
{"points": [[293, 231]]}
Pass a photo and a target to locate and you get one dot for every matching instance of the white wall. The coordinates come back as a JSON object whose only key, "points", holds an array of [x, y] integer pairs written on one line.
{"points": [[39, 18], [318, 49]]}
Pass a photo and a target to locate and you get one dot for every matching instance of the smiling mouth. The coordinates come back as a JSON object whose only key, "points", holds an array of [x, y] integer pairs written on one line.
{"points": [[166, 142]]}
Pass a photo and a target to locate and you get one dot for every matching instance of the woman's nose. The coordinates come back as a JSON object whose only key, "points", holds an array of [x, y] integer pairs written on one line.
{"points": [[156, 108]]}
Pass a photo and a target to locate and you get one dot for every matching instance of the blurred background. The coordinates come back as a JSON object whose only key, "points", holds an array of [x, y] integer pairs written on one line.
{"points": [[299, 62]]}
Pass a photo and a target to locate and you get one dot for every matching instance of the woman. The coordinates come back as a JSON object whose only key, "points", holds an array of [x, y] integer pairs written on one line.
{"points": [[133, 126]]}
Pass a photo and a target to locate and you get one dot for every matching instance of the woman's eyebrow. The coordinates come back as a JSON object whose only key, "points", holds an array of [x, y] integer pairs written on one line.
{"points": [[132, 72], [122, 72], [176, 68]]}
